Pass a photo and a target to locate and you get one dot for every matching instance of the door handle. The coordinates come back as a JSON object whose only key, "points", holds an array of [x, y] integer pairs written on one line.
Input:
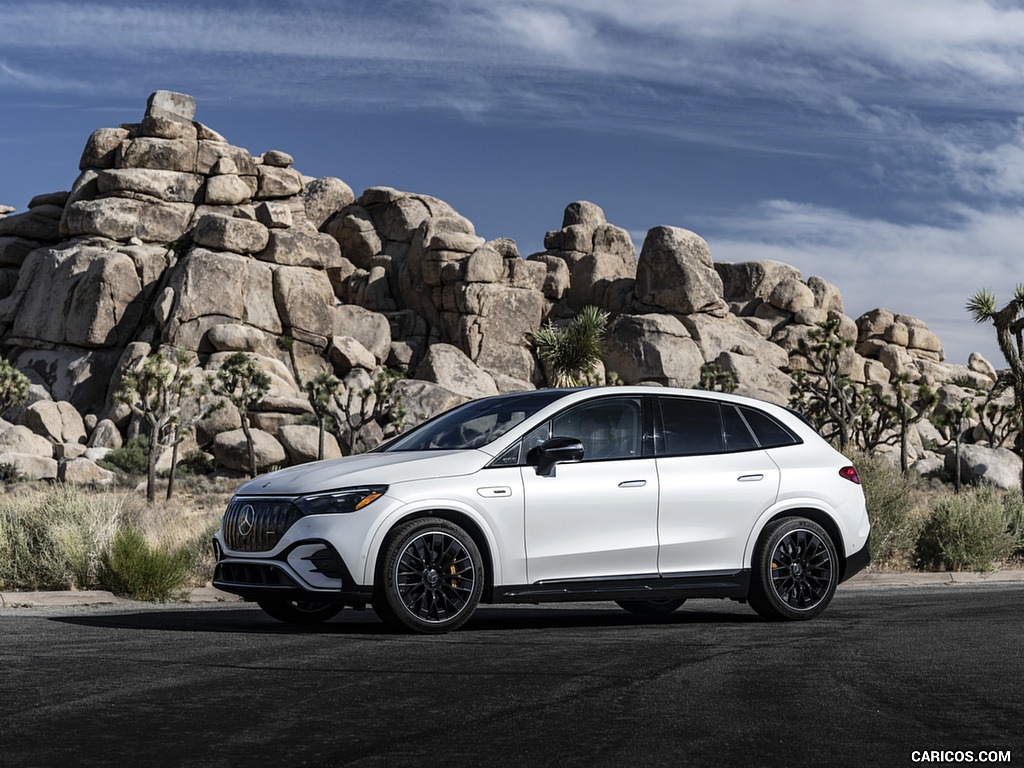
{"points": [[750, 478], [632, 484]]}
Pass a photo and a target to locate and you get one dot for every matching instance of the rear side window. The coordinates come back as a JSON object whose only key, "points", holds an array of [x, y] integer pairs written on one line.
{"points": [[737, 435], [769, 432], [691, 426]]}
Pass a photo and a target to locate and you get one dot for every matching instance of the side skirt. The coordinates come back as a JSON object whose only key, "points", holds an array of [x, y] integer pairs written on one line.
{"points": [[716, 584]]}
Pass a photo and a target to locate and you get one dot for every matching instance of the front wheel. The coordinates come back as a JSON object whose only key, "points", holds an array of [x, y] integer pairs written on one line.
{"points": [[298, 611], [661, 607], [430, 577], [795, 570]]}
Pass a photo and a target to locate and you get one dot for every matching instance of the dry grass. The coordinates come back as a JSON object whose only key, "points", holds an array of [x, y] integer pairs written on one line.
{"points": [[52, 536]]}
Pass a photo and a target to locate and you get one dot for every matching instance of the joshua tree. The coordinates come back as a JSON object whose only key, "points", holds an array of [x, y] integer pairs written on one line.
{"points": [[952, 424], [242, 382], [832, 401], [321, 391], [910, 411], [573, 351], [713, 378], [13, 386], [377, 403], [191, 402], [149, 392], [1010, 337]]}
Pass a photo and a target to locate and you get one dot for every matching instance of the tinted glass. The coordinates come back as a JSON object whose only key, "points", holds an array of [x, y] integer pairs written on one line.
{"points": [[691, 426], [737, 436], [769, 433], [609, 428], [475, 424]]}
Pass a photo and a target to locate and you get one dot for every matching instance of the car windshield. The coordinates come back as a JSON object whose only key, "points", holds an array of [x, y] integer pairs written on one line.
{"points": [[475, 424]]}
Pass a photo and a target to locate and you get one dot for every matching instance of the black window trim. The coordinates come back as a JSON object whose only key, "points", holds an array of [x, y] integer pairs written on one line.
{"points": [[659, 436]]}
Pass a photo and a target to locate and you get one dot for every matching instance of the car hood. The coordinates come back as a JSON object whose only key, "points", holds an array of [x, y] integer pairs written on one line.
{"points": [[365, 469]]}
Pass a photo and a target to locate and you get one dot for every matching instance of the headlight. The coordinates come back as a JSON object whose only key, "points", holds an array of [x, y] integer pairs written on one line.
{"points": [[344, 500]]}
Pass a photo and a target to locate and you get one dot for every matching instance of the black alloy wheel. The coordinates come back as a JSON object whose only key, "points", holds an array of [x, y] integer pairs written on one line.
{"points": [[795, 570], [298, 611], [431, 577]]}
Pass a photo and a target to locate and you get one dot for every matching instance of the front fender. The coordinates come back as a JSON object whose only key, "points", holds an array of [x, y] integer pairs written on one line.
{"points": [[423, 508]]}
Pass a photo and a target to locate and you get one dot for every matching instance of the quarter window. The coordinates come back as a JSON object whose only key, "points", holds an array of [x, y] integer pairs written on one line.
{"points": [[770, 434]]}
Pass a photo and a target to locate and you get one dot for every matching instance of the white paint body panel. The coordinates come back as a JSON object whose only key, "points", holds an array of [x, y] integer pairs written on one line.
{"points": [[707, 511], [582, 524]]}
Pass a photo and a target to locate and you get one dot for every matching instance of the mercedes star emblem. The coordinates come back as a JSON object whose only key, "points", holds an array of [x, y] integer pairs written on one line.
{"points": [[247, 520]]}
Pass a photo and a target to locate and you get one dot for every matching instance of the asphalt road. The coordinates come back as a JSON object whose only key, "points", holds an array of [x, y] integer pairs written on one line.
{"points": [[882, 674]]}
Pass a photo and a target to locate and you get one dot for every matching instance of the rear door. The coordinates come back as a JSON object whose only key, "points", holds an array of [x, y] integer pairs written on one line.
{"points": [[714, 481]]}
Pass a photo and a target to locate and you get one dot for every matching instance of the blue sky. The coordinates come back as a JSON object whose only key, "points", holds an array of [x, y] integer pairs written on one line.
{"points": [[878, 144]]}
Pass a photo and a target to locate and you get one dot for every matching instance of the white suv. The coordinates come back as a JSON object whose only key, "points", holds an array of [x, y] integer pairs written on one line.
{"points": [[644, 496]]}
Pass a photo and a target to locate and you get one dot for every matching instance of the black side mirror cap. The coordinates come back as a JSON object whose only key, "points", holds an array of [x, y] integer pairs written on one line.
{"points": [[557, 450]]}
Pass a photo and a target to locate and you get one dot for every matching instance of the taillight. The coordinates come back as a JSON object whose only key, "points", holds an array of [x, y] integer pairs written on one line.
{"points": [[849, 473]]}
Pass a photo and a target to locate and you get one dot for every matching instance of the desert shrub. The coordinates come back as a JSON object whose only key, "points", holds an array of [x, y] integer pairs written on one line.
{"points": [[200, 554], [966, 532], [132, 567], [52, 540], [132, 458], [9, 474], [894, 524], [196, 462], [1013, 516]]}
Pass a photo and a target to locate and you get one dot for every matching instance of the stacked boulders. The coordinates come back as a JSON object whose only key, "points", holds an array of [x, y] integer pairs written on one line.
{"points": [[172, 238], [420, 263]]}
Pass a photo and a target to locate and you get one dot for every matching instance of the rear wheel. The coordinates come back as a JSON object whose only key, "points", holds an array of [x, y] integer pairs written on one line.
{"points": [[298, 611], [795, 570], [430, 577], [661, 607]]}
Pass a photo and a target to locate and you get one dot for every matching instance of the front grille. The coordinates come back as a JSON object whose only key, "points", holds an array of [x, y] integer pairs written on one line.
{"points": [[257, 574], [257, 525]]}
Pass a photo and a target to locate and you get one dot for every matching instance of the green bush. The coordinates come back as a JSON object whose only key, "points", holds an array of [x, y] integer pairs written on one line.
{"points": [[53, 540], [9, 474], [894, 526], [1013, 516], [131, 567], [132, 458], [196, 462], [966, 532]]}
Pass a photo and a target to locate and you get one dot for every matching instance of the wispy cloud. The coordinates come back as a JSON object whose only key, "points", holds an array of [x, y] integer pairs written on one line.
{"points": [[913, 109], [922, 270]]}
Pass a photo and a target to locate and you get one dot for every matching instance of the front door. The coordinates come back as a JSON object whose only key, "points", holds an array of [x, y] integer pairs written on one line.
{"points": [[597, 518]]}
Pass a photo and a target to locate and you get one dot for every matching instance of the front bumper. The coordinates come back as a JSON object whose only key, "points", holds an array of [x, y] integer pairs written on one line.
{"points": [[305, 570]]}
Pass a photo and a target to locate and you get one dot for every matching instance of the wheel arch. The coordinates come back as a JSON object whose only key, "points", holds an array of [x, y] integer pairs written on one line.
{"points": [[459, 518], [814, 514]]}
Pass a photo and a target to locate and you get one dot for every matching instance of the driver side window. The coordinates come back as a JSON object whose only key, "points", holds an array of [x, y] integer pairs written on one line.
{"points": [[610, 428]]}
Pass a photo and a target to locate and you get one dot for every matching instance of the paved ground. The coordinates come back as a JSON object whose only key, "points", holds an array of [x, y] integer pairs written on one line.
{"points": [[210, 595], [884, 672]]}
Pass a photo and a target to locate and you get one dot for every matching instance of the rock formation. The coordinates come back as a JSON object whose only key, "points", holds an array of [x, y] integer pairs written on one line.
{"points": [[171, 237]]}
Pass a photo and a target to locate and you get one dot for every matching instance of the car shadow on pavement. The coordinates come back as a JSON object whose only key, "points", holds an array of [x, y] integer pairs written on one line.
{"points": [[352, 622]]}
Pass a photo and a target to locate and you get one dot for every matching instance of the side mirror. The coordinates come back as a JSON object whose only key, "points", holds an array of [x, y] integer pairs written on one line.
{"points": [[557, 450]]}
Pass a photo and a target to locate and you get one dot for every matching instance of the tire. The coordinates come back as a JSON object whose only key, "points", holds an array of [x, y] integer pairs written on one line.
{"points": [[795, 571], [299, 611], [430, 577], [662, 607]]}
